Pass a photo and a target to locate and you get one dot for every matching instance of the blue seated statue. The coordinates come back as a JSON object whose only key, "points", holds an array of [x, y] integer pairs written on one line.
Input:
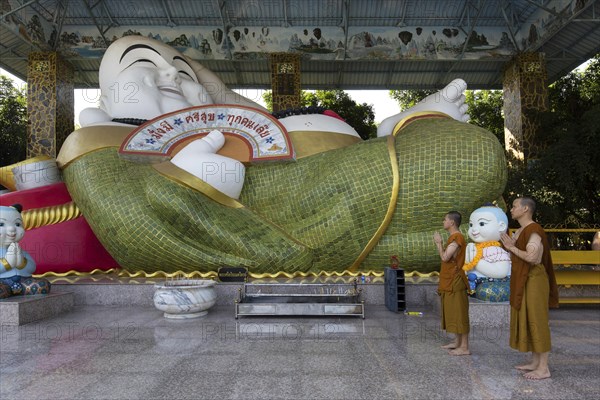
{"points": [[16, 265]]}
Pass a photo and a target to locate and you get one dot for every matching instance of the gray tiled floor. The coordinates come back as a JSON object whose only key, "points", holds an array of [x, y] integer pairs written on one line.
{"points": [[99, 352]]}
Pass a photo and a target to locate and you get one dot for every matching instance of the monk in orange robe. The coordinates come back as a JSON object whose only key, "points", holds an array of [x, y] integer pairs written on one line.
{"points": [[533, 289], [453, 285]]}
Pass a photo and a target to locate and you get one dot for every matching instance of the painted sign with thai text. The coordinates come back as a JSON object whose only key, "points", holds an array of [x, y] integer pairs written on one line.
{"points": [[156, 140]]}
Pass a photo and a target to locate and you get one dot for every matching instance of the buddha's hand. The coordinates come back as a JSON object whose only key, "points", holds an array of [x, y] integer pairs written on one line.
{"points": [[14, 255], [470, 252]]}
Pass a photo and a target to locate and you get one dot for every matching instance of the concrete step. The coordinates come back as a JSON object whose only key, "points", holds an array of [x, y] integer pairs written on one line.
{"points": [[20, 310]]}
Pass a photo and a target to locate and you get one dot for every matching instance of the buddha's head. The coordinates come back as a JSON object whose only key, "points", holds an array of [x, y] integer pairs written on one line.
{"points": [[144, 78], [487, 223]]}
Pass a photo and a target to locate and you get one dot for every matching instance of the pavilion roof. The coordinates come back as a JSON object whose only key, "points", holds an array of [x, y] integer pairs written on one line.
{"points": [[347, 44]]}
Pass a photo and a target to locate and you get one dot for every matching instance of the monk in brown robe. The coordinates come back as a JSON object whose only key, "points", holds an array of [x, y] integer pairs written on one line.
{"points": [[533, 289], [453, 285]]}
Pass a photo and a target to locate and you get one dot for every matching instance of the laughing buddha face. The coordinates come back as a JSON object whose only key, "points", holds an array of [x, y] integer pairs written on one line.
{"points": [[486, 224], [11, 226], [143, 78]]}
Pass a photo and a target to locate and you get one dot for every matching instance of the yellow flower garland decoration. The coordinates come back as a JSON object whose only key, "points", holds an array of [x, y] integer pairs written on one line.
{"points": [[479, 254]]}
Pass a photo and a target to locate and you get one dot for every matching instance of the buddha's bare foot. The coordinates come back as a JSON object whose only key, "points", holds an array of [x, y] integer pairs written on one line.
{"points": [[449, 346], [526, 367], [450, 100], [537, 375], [459, 352]]}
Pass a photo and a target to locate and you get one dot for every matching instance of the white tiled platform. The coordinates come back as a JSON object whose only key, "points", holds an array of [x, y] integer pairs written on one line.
{"points": [[114, 344], [132, 352], [113, 290]]}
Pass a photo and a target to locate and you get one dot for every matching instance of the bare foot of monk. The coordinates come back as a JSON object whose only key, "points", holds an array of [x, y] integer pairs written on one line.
{"points": [[526, 367], [459, 352], [450, 346], [536, 375]]}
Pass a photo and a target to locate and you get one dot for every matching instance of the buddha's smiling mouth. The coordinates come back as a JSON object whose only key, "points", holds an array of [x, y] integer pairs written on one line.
{"points": [[170, 90]]}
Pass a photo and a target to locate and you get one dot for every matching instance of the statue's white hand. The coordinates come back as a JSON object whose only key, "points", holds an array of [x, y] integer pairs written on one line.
{"points": [[14, 255], [470, 252], [223, 173]]}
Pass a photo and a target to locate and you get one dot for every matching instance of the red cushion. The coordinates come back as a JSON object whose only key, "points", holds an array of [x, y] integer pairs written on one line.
{"points": [[333, 114], [63, 247], [46, 196], [68, 246]]}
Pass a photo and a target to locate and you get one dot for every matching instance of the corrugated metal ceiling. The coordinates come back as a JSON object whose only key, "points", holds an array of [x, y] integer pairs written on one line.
{"points": [[567, 32]]}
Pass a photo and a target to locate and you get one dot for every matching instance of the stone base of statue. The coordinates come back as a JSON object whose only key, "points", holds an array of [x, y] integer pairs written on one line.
{"points": [[484, 314], [20, 310], [489, 314]]}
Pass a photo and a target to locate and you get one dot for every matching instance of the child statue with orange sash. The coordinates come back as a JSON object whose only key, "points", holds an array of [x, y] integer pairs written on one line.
{"points": [[487, 264]]}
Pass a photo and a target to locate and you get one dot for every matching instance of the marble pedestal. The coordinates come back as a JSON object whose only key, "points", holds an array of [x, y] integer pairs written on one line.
{"points": [[112, 290], [484, 314], [20, 310]]}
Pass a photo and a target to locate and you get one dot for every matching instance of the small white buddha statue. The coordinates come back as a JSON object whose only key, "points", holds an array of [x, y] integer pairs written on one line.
{"points": [[16, 265], [485, 257]]}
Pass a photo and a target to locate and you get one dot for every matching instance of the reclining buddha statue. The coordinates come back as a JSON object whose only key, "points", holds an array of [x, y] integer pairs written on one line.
{"points": [[334, 203]]}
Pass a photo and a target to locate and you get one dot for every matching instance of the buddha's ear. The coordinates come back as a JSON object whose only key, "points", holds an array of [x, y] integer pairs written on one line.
{"points": [[502, 226]]}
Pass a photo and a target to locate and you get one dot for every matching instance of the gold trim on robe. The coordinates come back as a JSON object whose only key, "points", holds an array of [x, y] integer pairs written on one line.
{"points": [[391, 146], [173, 172], [403, 123], [91, 138], [308, 143]]}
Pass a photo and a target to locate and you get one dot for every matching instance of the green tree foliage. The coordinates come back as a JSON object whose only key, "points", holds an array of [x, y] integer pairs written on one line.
{"points": [[408, 98], [565, 177], [13, 122], [485, 109], [359, 116]]}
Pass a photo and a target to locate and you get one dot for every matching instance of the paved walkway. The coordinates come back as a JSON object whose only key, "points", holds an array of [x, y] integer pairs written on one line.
{"points": [[99, 352]]}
